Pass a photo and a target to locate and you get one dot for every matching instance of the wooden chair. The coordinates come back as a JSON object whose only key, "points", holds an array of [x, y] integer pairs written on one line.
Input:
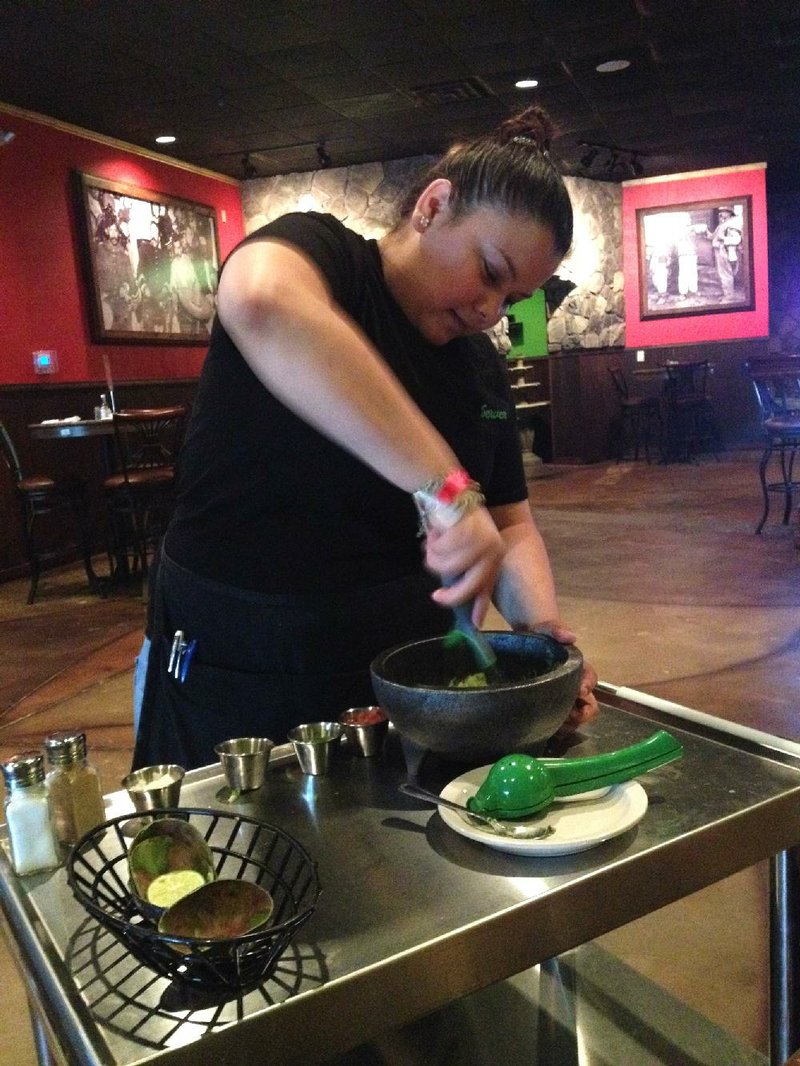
{"points": [[40, 495], [691, 425], [140, 493], [639, 416], [776, 383]]}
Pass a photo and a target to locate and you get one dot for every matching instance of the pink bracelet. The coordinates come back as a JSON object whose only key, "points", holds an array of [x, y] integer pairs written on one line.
{"points": [[456, 482], [444, 501]]}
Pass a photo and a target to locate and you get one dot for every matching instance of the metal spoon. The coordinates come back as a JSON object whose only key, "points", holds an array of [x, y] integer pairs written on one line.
{"points": [[483, 821]]}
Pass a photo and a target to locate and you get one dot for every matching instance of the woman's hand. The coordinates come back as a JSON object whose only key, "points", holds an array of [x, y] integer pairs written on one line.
{"points": [[585, 707], [468, 555]]}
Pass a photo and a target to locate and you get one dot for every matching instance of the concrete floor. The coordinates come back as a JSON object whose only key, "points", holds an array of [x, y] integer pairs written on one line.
{"points": [[669, 591]]}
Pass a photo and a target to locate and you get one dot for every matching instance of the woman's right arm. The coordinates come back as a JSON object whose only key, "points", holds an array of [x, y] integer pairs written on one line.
{"points": [[276, 306]]}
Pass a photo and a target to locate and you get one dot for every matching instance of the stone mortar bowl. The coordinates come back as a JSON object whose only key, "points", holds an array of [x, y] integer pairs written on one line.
{"points": [[536, 685]]}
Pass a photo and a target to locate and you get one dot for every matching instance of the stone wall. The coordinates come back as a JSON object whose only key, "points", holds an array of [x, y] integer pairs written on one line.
{"points": [[593, 315], [367, 198]]}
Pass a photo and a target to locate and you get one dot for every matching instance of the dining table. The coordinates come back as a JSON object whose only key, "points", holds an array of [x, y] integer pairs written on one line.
{"points": [[101, 429], [61, 428], [415, 915], [57, 429], [681, 431]]}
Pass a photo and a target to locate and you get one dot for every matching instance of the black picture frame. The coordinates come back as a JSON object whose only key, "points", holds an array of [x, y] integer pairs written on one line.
{"points": [[151, 263], [696, 258]]}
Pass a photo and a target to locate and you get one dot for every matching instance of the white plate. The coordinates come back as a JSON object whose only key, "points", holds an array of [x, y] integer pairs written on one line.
{"points": [[581, 797], [578, 826]]}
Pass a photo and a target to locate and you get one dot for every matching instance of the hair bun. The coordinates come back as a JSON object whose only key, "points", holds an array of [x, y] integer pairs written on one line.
{"points": [[532, 125]]}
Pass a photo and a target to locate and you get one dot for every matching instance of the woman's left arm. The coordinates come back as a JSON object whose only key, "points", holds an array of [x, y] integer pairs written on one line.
{"points": [[525, 593]]}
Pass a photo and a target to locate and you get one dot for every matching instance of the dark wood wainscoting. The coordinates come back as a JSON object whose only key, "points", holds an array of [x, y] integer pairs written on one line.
{"points": [[584, 402], [23, 405]]}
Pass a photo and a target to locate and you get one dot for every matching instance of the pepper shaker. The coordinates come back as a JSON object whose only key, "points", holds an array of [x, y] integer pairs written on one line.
{"points": [[73, 785]]}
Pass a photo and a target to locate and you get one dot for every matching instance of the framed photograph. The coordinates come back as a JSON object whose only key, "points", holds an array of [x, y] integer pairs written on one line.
{"points": [[151, 264], [696, 258]]}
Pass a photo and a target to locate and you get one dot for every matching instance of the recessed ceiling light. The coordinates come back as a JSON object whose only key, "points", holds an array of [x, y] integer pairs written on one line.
{"points": [[526, 83], [612, 66], [165, 138]]}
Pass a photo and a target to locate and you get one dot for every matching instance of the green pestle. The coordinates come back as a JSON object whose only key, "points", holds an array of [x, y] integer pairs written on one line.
{"points": [[465, 630], [518, 786]]}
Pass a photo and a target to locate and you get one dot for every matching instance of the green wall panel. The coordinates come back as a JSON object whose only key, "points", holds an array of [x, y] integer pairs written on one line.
{"points": [[532, 316]]}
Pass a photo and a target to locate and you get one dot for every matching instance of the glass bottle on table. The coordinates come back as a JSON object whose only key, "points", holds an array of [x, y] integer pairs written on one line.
{"points": [[76, 796], [34, 847]]}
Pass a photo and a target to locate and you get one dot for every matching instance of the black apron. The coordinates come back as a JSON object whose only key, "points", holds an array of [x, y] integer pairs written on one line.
{"points": [[265, 663]]}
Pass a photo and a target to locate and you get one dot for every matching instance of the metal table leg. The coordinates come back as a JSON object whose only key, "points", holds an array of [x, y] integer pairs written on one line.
{"points": [[784, 955], [40, 1042], [47, 1050]]}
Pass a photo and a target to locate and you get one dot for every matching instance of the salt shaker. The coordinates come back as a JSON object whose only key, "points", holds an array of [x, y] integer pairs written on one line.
{"points": [[76, 797], [27, 809]]}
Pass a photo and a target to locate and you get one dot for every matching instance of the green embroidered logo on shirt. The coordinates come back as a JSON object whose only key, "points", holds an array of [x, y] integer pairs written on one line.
{"points": [[494, 413]]}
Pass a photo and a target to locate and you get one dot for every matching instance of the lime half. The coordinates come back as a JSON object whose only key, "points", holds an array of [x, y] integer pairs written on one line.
{"points": [[170, 887]]}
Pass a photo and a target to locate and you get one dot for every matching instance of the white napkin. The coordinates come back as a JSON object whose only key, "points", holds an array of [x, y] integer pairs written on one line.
{"points": [[59, 421]]}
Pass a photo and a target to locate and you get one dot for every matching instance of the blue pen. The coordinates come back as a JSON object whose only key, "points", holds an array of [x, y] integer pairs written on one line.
{"points": [[188, 653]]}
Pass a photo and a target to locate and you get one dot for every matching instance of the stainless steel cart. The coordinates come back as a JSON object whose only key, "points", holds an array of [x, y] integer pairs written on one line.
{"points": [[412, 916]]}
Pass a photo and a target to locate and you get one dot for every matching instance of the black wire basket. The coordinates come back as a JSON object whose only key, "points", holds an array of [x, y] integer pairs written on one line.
{"points": [[243, 849]]}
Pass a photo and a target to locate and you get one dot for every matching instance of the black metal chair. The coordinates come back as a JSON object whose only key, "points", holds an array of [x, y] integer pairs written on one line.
{"points": [[639, 416], [140, 494], [776, 383], [691, 426], [40, 495]]}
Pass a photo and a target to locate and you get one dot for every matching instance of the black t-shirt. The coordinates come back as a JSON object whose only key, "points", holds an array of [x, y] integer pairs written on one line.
{"points": [[266, 502]]}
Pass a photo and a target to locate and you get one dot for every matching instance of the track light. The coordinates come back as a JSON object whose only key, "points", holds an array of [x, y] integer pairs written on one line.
{"points": [[322, 155], [556, 290], [615, 163]]}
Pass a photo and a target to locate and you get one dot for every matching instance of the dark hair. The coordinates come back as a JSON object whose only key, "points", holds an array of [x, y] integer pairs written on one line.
{"points": [[509, 168]]}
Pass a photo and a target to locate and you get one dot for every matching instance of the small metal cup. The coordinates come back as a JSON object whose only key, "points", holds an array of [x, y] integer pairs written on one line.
{"points": [[244, 761], [315, 745], [365, 738], [154, 787]]}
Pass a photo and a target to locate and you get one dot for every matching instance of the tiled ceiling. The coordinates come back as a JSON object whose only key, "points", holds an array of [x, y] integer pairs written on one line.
{"points": [[263, 87]]}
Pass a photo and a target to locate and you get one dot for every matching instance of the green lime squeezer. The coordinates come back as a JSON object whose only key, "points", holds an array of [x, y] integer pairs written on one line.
{"points": [[518, 786]]}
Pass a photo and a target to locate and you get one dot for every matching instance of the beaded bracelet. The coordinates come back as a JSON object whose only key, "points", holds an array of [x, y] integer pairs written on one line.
{"points": [[445, 500]]}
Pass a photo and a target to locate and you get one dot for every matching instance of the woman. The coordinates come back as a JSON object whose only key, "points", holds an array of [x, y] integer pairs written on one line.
{"points": [[347, 379]]}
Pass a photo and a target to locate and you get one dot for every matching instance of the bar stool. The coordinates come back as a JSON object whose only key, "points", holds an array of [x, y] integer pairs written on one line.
{"points": [[691, 426], [776, 383], [140, 494], [639, 416], [40, 495]]}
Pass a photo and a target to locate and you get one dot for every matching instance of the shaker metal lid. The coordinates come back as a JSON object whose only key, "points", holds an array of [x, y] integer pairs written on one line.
{"points": [[24, 769], [65, 747]]}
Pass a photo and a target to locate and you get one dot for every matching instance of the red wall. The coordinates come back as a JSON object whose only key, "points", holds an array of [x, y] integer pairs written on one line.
{"points": [[42, 299], [682, 189]]}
